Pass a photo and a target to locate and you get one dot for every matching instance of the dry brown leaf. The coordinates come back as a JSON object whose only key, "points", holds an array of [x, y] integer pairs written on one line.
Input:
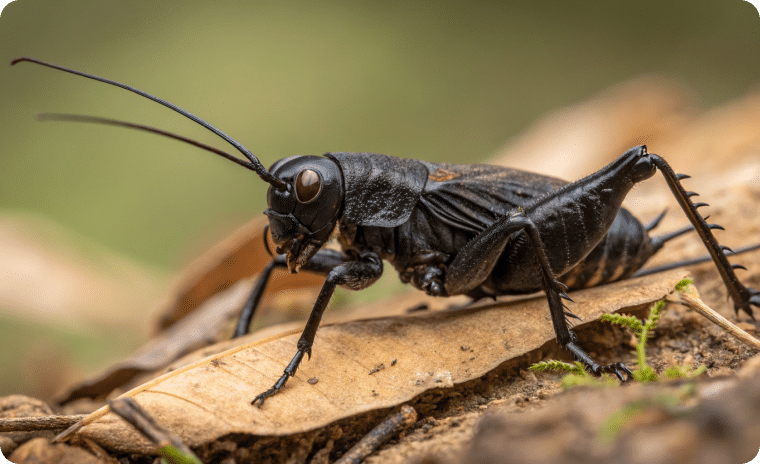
{"points": [[210, 398], [395, 305], [207, 324]]}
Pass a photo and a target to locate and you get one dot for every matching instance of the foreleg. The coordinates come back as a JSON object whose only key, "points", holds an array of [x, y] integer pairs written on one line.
{"points": [[353, 274]]}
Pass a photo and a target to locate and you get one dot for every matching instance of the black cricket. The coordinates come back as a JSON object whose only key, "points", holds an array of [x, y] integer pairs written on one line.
{"points": [[450, 229]]}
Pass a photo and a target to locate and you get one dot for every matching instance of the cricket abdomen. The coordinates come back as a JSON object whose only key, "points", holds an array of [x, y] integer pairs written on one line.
{"points": [[623, 251], [581, 224]]}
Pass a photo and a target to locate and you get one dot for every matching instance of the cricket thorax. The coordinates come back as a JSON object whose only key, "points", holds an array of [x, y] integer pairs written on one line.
{"points": [[419, 249]]}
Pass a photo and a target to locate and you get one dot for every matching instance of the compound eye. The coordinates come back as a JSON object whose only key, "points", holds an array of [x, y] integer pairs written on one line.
{"points": [[308, 185]]}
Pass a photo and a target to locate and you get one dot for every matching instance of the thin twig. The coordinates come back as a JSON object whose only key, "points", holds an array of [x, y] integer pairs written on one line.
{"points": [[63, 436], [699, 306], [30, 424], [394, 423]]}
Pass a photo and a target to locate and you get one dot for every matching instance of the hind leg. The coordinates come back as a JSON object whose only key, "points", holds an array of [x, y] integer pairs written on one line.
{"points": [[744, 298], [475, 262]]}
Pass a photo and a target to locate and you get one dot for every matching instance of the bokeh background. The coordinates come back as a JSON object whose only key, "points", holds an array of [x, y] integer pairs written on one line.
{"points": [[95, 221]]}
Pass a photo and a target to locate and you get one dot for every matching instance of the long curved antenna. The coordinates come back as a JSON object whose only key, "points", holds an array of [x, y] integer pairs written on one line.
{"points": [[258, 167], [116, 122]]}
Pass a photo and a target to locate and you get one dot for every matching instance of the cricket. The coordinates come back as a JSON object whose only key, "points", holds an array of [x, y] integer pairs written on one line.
{"points": [[452, 229]]}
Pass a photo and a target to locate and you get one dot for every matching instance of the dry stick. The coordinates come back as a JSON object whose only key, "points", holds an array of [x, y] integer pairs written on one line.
{"points": [[30, 424], [699, 306], [394, 423]]}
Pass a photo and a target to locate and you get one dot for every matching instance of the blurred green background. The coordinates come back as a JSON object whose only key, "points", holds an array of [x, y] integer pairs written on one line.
{"points": [[443, 81]]}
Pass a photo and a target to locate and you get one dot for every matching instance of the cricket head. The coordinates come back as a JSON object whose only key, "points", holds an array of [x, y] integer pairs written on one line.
{"points": [[303, 214]]}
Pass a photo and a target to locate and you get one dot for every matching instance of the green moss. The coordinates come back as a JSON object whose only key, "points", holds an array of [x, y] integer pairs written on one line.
{"points": [[681, 286], [574, 380], [576, 374], [560, 366], [679, 372]]}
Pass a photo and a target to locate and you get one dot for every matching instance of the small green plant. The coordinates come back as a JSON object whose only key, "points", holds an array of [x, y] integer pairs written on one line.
{"points": [[577, 375], [644, 373]]}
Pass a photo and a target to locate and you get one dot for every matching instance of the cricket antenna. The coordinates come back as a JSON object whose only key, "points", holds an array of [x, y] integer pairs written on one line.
{"points": [[255, 165], [142, 127]]}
